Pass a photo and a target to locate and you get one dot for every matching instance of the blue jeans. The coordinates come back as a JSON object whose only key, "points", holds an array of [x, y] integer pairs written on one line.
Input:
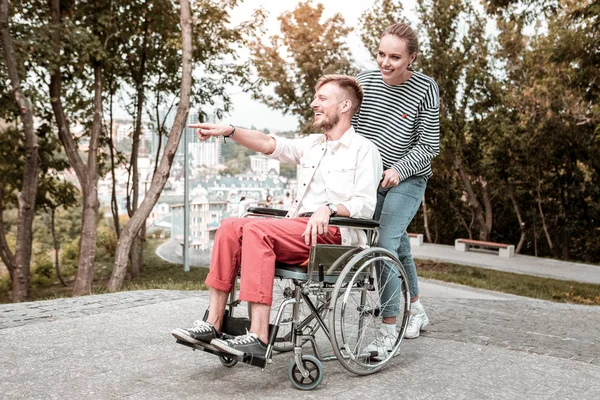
{"points": [[396, 207]]}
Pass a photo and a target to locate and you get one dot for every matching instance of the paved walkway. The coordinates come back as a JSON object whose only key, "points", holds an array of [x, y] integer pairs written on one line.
{"points": [[527, 265], [480, 345]]}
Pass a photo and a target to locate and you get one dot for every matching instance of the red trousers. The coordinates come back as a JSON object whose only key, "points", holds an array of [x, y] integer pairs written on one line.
{"points": [[253, 244]]}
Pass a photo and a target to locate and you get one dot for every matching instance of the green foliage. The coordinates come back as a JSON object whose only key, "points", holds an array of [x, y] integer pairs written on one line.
{"points": [[69, 254], [43, 273], [292, 62], [375, 19], [106, 243]]}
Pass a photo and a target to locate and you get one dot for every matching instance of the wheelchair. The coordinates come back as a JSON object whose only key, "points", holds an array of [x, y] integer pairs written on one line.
{"points": [[339, 294]]}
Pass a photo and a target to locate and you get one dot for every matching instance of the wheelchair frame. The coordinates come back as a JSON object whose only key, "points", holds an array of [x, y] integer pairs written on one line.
{"points": [[354, 281]]}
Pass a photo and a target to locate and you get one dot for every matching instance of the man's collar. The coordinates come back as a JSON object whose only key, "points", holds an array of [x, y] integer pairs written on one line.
{"points": [[347, 136]]}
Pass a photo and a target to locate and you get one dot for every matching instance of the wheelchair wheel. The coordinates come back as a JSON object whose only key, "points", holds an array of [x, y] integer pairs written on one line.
{"points": [[283, 289], [315, 373], [227, 362], [371, 283]]}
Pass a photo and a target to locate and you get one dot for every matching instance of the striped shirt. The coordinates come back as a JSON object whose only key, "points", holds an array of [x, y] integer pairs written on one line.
{"points": [[402, 120]]}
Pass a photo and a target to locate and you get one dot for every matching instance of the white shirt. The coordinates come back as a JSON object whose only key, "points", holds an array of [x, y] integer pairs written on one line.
{"points": [[346, 171]]}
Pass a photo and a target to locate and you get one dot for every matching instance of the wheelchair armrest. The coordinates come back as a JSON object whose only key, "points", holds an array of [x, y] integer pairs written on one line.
{"points": [[347, 221], [274, 212], [354, 222]]}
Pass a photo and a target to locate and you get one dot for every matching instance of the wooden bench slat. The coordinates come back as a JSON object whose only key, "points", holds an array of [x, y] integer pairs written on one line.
{"points": [[483, 243]]}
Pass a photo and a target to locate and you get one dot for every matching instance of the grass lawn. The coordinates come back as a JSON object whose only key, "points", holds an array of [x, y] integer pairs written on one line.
{"points": [[508, 282], [156, 274], [159, 274]]}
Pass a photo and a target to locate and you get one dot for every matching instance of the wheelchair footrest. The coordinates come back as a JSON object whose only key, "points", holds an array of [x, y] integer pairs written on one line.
{"points": [[257, 361]]}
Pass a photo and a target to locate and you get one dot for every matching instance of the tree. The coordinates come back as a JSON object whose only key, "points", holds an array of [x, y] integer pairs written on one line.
{"points": [[209, 47], [375, 19], [291, 64], [84, 56], [460, 66], [162, 173], [19, 265], [551, 105], [143, 43]]}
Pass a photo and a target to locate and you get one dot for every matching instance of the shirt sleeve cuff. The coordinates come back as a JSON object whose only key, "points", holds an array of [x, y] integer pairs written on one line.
{"points": [[350, 208], [278, 147]]}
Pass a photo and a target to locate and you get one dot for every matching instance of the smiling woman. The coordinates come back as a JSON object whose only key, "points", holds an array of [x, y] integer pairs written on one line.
{"points": [[400, 114]]}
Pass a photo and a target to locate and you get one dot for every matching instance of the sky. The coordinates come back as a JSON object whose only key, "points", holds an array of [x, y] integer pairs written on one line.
{"points": [[246, 111]]}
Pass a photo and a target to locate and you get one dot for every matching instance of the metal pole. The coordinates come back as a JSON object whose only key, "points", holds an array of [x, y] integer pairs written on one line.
{"points": [[186, 205]]}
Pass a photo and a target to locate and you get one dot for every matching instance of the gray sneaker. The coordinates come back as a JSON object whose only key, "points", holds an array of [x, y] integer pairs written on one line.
{"points": [[201, 333], [418, 322], [240, 345]]}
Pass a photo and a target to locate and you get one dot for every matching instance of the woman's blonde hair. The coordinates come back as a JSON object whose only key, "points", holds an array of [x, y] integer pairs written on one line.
{"points": [[406, 33]]}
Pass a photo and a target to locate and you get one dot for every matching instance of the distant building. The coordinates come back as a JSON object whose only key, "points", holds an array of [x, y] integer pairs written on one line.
{"points": [[263, 165], [205, 218]]}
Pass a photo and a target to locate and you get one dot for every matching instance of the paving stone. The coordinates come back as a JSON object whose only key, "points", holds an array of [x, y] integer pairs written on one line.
{"points": [[118, 345]]}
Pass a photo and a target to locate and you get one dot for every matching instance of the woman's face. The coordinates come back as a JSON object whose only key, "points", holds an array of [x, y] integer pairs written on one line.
{"points": [[393, 59]]}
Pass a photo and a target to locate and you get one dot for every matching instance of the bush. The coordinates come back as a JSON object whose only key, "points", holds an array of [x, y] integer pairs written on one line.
{"points": [[106, 243], [43, 273], [69, 254], [5, 285]]}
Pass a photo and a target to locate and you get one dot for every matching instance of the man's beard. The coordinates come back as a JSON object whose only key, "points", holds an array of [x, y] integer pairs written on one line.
{"points": [[327, 124]]}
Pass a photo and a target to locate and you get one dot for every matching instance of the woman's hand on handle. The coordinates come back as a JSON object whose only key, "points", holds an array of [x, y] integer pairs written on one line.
{"points": [[390, 178]]}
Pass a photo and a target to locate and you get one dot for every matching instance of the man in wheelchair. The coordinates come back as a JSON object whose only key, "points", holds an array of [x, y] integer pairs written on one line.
{"points": [[338, 175]]}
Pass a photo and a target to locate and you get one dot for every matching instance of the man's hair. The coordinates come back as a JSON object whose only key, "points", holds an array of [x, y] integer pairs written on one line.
{"points": [[348, 84], [405, 32]]}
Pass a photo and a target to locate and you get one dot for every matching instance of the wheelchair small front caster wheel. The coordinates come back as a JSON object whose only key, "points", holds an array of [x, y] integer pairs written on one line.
{"points": [[227, 362], [315, 373]]}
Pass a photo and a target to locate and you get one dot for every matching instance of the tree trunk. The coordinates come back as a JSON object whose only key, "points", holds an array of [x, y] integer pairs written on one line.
{"points": [[87, 244], [511, 194], [487, 203], [462, 221], [28, 193], [8, 258], [138, 77], [426, 220], [56, 247], [114, 205], [86, 174], [539, 201], [162, 173], [535, 249], [136, 257], [472, 198]]}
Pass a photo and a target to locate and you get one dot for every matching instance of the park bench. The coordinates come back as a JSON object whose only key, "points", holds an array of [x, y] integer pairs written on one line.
{"points": [[416, 239], [504, 250]]}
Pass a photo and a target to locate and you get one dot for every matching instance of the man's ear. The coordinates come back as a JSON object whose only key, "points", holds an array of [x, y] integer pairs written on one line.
{"points": [[346, 105]]}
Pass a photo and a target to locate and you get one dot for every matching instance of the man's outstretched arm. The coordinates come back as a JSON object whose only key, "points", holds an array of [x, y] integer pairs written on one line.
{"points": [[254, 140]]}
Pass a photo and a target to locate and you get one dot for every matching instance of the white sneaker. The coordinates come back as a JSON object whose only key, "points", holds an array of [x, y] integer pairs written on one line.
{"points": [[418, 321], [382, 345]]}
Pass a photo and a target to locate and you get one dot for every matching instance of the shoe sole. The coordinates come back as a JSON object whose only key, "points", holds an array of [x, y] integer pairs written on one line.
{"points": [[221, 345], [182, 335]]}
